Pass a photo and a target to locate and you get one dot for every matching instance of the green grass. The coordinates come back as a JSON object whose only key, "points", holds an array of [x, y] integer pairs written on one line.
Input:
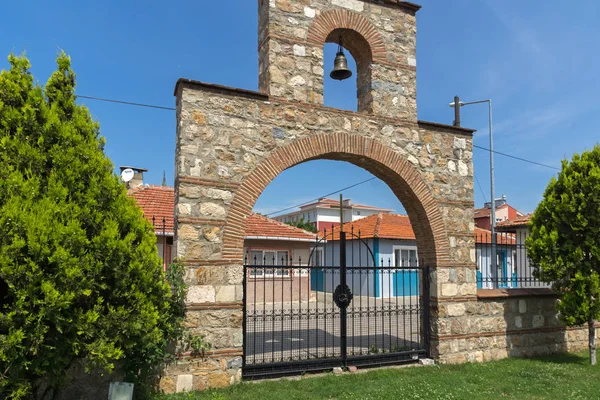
{"points": [[557, 377]]}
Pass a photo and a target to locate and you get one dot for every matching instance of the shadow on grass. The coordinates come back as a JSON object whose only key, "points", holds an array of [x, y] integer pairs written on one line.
{"points": [[566, 358]]}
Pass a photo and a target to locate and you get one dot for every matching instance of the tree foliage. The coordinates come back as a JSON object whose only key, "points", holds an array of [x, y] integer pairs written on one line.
{"points": [[564, 241], [83, 277], [307, 226]]}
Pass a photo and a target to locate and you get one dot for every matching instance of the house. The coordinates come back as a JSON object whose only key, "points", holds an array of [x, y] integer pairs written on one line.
{"points": [[158, 205], [276, 259], [506, 274], [381, 240], [504, 212], [276, 254], [517, 227], [388, 242], [326, 212]]}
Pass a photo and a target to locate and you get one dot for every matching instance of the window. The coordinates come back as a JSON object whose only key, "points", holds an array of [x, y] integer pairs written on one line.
{"points": [[317, 258], [405, 257], [271, 262], [358, 213]]}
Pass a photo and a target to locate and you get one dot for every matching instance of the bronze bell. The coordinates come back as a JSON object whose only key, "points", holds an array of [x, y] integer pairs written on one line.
{"points": [[340, 65]]}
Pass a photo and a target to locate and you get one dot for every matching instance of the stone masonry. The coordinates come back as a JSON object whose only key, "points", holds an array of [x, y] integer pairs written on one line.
{"points": [[509, 324], [232, 143]]}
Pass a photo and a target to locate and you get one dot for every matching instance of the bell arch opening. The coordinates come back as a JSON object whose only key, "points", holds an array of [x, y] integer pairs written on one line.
{"points": [[359, 57]]}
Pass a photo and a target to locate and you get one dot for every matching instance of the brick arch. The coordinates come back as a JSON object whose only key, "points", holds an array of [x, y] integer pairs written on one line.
{"points": [[330, 24], [402, 178]]}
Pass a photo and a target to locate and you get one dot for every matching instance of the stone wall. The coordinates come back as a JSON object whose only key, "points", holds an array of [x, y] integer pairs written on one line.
{"points": [[492, 328]]}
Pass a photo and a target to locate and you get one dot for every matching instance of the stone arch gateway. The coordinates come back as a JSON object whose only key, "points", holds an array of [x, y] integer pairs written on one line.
{"points": [[232, 142], [403, 179]]}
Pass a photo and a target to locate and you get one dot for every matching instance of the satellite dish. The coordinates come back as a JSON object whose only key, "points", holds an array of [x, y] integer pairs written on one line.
{"points": [[127, 174]]}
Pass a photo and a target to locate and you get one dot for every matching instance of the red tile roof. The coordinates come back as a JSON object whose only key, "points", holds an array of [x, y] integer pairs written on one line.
{"points": [[522, 220], [385, 226], [259, 226], [483, 236], [156, 202], [486, 212], [395, 226]]}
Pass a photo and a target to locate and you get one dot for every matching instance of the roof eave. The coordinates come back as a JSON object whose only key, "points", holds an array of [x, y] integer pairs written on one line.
{"points": [[281, 238]]}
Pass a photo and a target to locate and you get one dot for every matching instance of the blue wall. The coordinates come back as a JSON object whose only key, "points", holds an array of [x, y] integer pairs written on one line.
{"points": [[382, 283]]}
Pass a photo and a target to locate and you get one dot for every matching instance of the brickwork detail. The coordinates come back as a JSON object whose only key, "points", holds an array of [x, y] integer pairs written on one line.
{"points": [[362, 151], [326, 23]]}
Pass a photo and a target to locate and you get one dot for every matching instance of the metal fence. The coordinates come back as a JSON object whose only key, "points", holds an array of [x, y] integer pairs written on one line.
{"points": [[513, 270], [301, 316]]}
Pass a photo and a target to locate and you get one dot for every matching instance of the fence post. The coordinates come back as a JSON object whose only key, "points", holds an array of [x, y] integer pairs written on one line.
{"points": [[343, 311], [427, 309]]}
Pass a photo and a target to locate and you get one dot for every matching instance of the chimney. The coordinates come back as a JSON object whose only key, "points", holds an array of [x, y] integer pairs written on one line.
{"points": [[347, 203], [138, 177]]}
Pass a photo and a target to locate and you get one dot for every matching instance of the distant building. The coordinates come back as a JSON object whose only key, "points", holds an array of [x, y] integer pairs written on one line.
{"points": [[276, 256], [276, 252], [518, 228], [378, 240], [158, 206], [325, 213], [504, 212]]}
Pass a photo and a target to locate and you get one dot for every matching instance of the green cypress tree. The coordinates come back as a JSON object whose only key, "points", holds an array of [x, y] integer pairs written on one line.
{"points": [[564, 241], [83, 280]]}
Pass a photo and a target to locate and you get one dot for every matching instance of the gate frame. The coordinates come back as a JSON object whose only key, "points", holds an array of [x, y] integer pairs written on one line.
{"points": [[286, 368]]}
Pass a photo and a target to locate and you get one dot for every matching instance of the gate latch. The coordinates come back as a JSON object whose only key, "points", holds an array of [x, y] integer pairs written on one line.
{"points": [[342, 296]]}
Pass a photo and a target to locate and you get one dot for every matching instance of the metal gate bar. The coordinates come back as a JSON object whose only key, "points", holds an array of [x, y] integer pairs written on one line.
{"points": [[306, 316]]}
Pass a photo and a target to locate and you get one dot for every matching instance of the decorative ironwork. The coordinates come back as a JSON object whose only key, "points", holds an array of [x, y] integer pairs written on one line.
{"points": [[338, 308], [342, 296]]}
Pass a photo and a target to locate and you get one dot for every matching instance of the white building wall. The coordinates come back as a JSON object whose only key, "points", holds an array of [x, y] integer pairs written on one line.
{"points": [[361, 277], [325, 214]]}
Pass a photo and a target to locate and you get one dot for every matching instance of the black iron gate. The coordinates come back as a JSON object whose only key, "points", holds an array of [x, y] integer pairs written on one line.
{"points": [[339, 308]]}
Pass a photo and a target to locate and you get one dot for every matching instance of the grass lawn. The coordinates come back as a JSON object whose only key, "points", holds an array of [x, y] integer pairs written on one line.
{"points": [[557, 377]]}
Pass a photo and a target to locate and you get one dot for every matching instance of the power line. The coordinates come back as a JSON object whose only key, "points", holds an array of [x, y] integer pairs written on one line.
{"points": [[517, 158], [174, 109], [320, 197], [127, 102], [479, 184]]}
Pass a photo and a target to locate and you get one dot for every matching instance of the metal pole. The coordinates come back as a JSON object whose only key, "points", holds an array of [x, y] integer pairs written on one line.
{"points": [[456, 111], [164, 235], [341, 212], [494, 256], [493, 226], [343, 310]]}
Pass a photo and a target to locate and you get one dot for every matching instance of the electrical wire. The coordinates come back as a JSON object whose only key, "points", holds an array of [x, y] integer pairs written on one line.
{"points": [[320, 197], [480, 188], [517, 158], [129, 103]]}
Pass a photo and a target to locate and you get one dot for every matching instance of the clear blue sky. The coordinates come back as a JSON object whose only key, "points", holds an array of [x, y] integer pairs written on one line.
{"points": [[538, 61]]}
